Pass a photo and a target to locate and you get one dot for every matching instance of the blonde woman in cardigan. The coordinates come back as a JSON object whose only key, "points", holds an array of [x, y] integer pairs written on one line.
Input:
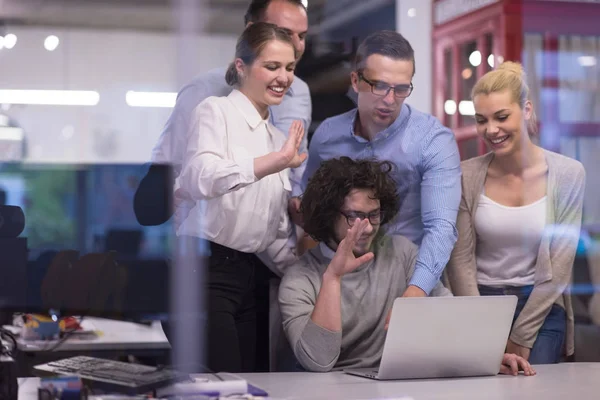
{"points": [[519, 220]]}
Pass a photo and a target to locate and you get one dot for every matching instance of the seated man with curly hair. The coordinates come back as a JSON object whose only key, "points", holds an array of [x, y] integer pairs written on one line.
{"points": [[335, 299]]}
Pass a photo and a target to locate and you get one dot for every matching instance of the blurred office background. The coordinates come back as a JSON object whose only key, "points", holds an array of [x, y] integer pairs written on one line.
{"points": [[108, 71]]}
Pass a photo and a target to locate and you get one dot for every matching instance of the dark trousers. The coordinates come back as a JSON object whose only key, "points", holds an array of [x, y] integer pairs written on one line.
{"points": [[236, 296], [548, 347]]}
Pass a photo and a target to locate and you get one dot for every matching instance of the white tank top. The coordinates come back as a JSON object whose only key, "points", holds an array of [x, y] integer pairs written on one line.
{"points": [[508, 240]]}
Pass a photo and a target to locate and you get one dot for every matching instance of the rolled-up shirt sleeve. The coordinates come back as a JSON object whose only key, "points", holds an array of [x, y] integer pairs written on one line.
{"points": [[440, 199], [316, 349], [207, 171]]}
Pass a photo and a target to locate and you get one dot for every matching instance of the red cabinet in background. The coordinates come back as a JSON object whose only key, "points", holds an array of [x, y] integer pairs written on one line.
{"points": [[558, 43]]}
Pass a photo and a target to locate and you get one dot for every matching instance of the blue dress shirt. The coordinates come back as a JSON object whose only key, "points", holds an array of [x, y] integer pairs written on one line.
{"points": [[427, 173]]}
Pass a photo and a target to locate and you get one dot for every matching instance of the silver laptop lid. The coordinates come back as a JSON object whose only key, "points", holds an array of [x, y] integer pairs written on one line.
{"points": [[446, 336]]}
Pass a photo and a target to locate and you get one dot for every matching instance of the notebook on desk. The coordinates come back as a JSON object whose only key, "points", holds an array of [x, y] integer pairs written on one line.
{"points": [[218, 384], [442, 337]]}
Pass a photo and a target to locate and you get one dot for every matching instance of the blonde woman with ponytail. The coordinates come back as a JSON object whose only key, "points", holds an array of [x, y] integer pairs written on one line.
{"points": [[519, 220]]}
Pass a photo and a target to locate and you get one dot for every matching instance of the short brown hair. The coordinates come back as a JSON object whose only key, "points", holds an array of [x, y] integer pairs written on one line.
{"points": [[258, 8], [327, 189], [386, 43]]}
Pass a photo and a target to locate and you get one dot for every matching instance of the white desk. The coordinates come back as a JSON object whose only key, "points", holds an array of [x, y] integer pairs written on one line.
{"points": [[113, 335], [553, 382], [114, 339]]}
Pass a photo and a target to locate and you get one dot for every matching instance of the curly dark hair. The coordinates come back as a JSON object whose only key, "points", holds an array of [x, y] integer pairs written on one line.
{"points": [[333, 181]]}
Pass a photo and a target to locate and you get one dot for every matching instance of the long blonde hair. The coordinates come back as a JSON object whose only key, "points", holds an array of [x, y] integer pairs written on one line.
{"points": [[508, 76]]}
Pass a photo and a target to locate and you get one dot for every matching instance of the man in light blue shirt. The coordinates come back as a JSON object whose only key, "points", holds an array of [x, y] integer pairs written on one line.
{"points": [[424, 152]]}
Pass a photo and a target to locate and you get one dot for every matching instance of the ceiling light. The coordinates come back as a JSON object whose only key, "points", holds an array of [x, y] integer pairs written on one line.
{"points": [[475, 58], [150, 99], [491, 60], [450, 107], [50, 97], [51, 43], [466, 107], [10, 40], [412, 12]]}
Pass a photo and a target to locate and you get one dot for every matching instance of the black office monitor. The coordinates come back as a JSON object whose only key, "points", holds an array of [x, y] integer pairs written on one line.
{"points": [[83, 250]]}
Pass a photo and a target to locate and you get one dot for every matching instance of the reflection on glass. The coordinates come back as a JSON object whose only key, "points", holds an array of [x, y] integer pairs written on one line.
{"points": [[489, 53], [533, 63], [586, 150], [448, 92], [471, 58], [579, 79]]}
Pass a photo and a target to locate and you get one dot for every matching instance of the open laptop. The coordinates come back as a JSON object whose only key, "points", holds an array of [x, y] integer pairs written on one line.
{"points": [[441, 337]]}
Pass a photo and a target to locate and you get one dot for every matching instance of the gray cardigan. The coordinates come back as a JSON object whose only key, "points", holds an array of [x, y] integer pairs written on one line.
{"points": [[554, 265]]}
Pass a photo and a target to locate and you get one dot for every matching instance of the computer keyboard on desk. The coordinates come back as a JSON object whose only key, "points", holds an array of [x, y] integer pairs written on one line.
{"points": [[114, 375]]}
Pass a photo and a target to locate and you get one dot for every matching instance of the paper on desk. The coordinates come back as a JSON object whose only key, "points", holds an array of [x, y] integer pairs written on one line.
{"points": [[203, 385]]}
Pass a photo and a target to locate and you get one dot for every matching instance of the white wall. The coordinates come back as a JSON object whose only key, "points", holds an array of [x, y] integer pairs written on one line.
{"points": [[108, 62], [417, 30]]}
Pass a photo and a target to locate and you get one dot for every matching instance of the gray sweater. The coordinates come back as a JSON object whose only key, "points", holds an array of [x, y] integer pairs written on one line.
{"points": [[368, 294]]}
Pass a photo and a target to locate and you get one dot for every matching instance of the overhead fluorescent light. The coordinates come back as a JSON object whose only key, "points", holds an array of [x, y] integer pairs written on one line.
{"points": [[150, 99], [11, 133], [50, 97]]}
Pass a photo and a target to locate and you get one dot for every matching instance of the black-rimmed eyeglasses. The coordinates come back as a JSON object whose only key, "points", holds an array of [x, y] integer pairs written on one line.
{"points": [[382, 89], [375, 218]]}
